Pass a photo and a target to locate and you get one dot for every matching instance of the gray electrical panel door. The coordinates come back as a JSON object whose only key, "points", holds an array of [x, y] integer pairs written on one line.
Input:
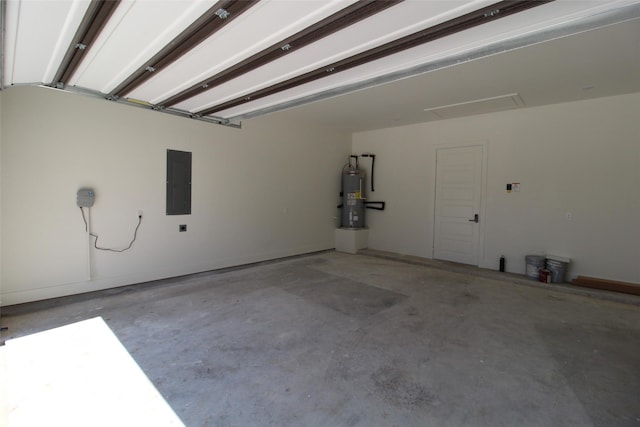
{"points": [[178, 182]]}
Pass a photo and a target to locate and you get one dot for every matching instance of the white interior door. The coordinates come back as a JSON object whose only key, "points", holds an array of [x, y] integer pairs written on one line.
{"points": [[458, 200]]}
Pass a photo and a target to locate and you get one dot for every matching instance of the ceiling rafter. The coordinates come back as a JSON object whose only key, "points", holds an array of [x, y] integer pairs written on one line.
{"points": [[461, 23], [94, 20], [134, 60], [336, 22], [215, 18]]}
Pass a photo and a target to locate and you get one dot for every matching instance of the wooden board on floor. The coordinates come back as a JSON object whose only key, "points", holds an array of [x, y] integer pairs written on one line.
{"points": [[608, 285]]}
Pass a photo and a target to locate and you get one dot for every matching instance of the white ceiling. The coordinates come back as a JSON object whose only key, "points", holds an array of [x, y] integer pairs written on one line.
{"points": [[556, 52], [596, 63]]}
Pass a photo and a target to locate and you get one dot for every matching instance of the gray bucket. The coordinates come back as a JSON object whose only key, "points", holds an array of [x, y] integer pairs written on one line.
{"points": [[535, 263], [558, 268]]}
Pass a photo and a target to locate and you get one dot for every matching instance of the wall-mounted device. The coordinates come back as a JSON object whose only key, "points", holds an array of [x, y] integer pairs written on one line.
{"points": [[86, 197], [353, 193], [513, 186]]}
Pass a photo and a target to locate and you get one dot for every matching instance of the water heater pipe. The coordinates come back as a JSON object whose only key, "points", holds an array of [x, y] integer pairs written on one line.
{"points": [[353, 157], [373, 162]]}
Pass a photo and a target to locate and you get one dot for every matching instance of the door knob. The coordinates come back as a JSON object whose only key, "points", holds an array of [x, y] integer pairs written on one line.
{"points": [[476, 218]]}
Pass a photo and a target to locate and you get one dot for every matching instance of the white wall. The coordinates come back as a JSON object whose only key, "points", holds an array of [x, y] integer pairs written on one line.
{"points": [[1, 93], [266, 191], [581, 157]]}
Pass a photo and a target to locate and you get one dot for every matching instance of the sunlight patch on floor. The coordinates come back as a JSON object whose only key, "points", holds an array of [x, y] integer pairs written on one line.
{"points": [[77, 375]]}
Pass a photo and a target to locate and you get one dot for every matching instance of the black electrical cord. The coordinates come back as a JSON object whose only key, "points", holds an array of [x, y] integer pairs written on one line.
{"points": [[86, 226], [95, 243]]}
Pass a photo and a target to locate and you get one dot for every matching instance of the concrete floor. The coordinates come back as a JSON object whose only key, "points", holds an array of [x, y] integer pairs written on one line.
{"points": [[333, 339]]}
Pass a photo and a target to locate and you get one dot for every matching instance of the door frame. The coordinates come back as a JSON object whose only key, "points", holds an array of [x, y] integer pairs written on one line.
{"points": [[484, 144]]}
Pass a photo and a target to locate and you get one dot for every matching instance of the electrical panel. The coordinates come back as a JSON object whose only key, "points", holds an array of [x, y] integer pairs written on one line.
{"points": [[178, 182], [86, 197]]}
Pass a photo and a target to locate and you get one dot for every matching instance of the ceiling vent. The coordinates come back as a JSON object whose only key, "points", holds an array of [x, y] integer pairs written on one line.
{"points": [[477, 106]]}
